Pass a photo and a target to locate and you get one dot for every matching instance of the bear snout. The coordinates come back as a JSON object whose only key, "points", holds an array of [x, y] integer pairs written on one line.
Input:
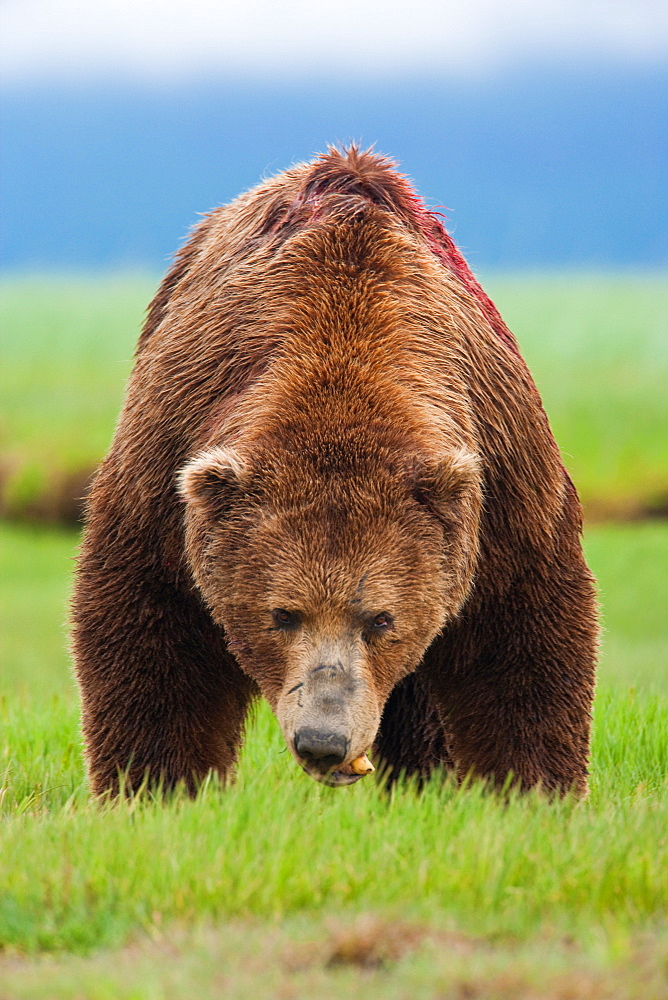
{"points": [[329, 714], [321, 749]]}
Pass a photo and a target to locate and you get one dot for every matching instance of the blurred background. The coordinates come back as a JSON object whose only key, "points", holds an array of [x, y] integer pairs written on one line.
{"points": [[541, 127]]}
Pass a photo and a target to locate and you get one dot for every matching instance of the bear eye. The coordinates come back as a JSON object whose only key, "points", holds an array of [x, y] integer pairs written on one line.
{"points": [[285, 619], [383, 620]]}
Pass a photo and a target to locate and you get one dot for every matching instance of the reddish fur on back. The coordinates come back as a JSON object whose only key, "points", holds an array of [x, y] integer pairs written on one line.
{"points": [[374, 178]]}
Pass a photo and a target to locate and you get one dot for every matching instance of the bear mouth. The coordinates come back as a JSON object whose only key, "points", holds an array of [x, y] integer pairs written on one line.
{"points": [[333, 779]]}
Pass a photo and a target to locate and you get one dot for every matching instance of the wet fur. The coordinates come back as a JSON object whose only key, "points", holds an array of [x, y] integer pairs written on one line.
{"points": [[261, 303]]}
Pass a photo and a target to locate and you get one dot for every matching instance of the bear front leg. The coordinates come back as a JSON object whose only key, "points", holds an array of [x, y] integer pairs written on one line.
{"points": [[514, 678], [410, 740], [163, 700]]}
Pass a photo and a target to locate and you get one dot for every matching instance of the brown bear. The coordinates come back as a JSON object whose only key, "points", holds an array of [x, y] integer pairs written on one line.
{"points": [[333, 484]]}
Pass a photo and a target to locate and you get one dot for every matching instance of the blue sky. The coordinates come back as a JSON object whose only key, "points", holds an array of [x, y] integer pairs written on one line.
{"points": [[542, 127]]}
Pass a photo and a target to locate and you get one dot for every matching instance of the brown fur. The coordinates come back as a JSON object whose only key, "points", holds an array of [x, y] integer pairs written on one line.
{"points": [[328, 415]]}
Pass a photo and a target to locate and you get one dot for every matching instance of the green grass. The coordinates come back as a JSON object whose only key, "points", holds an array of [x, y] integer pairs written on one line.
{"points": [[598, 350], [597, 347], [37, 564], [66, 352], [629, 561], [329, 960], [568, 894]]}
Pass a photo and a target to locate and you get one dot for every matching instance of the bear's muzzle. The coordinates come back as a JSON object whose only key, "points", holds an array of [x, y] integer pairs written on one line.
{"points": [[329, 715]]}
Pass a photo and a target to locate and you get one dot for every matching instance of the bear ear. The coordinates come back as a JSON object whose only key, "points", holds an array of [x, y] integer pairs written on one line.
{"points": [[210, 480], [444, 484]]}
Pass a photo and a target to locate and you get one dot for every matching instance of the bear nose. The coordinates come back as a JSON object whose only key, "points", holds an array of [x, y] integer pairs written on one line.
{"points": [[321, 748]]}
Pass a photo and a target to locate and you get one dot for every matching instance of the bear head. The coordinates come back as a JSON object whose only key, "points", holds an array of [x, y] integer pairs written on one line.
{"points": [[330, 588]]}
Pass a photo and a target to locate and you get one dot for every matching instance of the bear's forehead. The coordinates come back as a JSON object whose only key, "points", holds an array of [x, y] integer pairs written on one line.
{"points": [[338, 582], [353, 523], [323, 556], [338, 553]]}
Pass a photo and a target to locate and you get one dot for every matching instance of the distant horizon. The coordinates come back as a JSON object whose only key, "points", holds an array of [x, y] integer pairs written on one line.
{"points": [[539, 170]]}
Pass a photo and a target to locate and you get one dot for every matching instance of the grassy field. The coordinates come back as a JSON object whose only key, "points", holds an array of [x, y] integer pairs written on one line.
{"points": [[290, 888], [597, 346], [278, 887]]}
